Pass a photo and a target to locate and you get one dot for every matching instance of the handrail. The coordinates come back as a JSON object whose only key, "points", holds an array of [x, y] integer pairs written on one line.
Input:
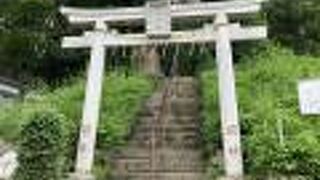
{"points": [[160, 118]]}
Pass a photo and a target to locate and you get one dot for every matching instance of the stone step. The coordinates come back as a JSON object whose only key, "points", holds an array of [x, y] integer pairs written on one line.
{"points": [[182, 88], [185, 80], [171, 120], [161, 176], [152, 105], [168, 128], [185, 107], [131, 152], [150, 111], [177, 107], [184, 91], [126, 165], [164, 159], [169, 137], [129, 165], [186, 144], [144, 153]]}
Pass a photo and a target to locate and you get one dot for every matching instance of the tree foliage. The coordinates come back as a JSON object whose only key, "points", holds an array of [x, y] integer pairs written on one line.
{"points": [[30, 41], [295, 23]]}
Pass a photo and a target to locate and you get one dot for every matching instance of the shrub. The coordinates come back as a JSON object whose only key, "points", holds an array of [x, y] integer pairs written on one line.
{"points": [[278, 140], [268, 105], [41, 148], [210, 114], [122, 99]]}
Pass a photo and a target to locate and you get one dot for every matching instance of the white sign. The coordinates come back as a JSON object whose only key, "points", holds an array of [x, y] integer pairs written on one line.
{"points": [[309, 97]]}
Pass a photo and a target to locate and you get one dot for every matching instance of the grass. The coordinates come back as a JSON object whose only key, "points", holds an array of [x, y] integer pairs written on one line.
{"points": [[123, 97], [268, 104]]}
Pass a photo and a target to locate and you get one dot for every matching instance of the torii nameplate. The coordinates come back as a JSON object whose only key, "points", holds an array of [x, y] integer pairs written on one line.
{"points": [[158, 19]]}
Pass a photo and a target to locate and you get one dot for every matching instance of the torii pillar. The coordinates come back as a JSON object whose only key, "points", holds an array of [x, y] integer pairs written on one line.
{"points": [[233, 161], [91, 107]]}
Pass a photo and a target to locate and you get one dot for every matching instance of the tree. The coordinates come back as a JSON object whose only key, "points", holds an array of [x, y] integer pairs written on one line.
{"points": [[30, 41], [295, 23]]}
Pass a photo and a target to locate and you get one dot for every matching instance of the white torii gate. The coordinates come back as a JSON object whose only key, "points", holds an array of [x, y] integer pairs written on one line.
{"points": [[158, 17]]}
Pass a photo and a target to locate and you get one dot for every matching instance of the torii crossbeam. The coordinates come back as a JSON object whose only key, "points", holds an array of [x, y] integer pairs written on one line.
{"points": [[205, 35], [78, 15], [158, 21]]}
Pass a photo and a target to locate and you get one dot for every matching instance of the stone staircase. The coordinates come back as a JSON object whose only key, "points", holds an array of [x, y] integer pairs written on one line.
{"points": [[166, 144]]}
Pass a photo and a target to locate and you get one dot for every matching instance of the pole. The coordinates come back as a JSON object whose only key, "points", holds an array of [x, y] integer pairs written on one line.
{"points": [[233, 161], [91, 108]]}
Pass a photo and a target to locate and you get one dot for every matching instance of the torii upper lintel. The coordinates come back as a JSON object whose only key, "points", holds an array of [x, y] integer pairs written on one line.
{"points": [[80, 15]]}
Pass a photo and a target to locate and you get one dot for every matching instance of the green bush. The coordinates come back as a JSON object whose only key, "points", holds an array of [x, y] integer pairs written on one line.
{"points": [[41, 148], [122, 99], [267, 88], [268, 104], [210, 114]]}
